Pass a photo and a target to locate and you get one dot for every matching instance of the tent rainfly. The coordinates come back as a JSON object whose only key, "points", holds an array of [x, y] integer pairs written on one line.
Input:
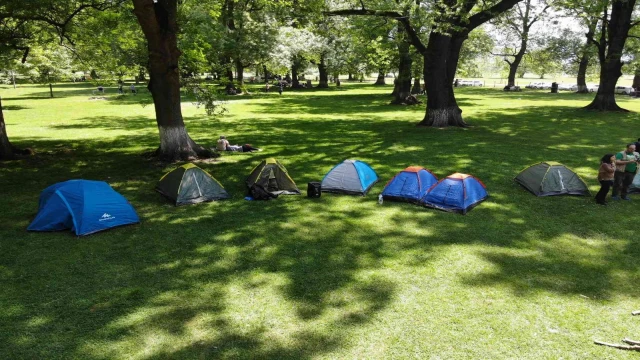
{"points": [[189, 184], [551, 178]]}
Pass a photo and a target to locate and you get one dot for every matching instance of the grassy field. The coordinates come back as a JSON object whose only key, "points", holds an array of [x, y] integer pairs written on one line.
{"points": [[338, 277]]}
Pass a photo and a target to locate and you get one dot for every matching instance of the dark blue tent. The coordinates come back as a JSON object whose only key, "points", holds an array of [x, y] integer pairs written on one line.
{"points": [[83, 206], [350, 177], [457, 193], [411, 184]]}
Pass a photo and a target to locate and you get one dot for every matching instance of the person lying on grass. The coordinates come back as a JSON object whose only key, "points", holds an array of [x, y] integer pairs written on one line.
{"points": [[223, 145]]}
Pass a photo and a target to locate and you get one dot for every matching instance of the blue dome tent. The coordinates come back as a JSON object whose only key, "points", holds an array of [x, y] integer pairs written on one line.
{"points": [[411, 184], [456, 193], [83, 206], [350, 177]]}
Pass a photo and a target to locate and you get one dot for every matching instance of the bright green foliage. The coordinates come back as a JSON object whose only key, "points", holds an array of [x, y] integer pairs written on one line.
{"points": [[477, 47], [338, 277]]}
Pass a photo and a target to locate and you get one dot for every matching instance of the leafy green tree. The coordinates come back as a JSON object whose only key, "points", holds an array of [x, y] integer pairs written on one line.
{"points": [[24, 24], [474, 49], [516, 26], [447, 24], [616, 20]]}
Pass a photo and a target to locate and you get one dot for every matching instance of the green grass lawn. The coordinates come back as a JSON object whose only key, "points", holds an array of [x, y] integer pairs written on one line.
{"points": [[339, 277]]}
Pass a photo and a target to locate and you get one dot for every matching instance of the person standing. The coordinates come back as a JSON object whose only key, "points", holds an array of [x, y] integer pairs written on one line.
{"points": [[626, 167], [280, 86], [605, 176]]}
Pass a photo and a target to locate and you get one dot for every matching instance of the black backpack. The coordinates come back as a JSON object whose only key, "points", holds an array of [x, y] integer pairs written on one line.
{"points": [[258, 192]]}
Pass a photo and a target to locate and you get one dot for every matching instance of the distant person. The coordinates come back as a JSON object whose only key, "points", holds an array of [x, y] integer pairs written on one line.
{"points": [[280, 87], [101, 89], [626, 168], [133, 89], [223, 145], [638, 145], [455, 83], [605, 177]]}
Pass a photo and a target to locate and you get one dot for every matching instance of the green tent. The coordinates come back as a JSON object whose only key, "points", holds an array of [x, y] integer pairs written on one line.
{"points": [[552, 178], [273, 177], [189, 184]]}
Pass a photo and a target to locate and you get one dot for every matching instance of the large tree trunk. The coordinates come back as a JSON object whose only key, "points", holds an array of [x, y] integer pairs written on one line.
{"points": [[350, 78], [513, 66], [240, 71], [403, 84], [636, 79], [228, 70], [294, 74], [610, 64], [416, 89], [380, 80], [6, 149], [324, 75], [440, 64], [582, 74], [158, 22]]}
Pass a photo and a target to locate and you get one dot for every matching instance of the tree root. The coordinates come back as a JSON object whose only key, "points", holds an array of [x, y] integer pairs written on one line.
{"points": [[619, 346]]}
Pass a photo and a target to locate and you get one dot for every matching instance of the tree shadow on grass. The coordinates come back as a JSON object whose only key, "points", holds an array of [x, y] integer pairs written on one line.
{"points": [[291, 278]]}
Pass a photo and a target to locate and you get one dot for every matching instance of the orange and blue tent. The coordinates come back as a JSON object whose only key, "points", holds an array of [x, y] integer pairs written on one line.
{"points": [[456, 193], [410, 184]]}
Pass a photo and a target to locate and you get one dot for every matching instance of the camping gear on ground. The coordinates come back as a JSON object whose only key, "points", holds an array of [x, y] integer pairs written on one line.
{"points": [[189, 184], [272, 176], [83, 206], [258, 192], [552, 178], [634, 188], [314, 189], [410, 184], [350, 177], [456, 193]]}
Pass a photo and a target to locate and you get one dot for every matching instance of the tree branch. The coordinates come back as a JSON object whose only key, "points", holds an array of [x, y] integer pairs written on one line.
{"points": [[490, 13], [413, 35]]}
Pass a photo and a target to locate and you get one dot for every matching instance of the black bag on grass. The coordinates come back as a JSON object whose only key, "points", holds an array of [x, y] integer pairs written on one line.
{"points": [[314, 189]]}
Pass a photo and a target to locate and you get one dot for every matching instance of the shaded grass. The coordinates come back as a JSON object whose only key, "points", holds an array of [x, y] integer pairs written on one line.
{"points": [[334, 277]]}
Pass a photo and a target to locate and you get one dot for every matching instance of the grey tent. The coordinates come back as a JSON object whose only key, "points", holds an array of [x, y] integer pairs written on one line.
{"points": [[634, 188], [552, 178], [350, 177], [188, 184]]}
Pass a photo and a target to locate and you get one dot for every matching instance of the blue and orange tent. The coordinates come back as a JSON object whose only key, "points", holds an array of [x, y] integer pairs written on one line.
{"points": [[83, 206], [410, 184], [456, 193]]}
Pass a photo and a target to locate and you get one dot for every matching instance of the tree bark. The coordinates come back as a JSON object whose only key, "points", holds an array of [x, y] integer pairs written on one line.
{"points": [[513, 66], [416, 86], [610, 64], [6, 149], [440, 64], [403, 84], [636, 78], [582, 74], [381, 80], [324, 75], [159, 25], [240, 71], [294, 75], [350, 78]]}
